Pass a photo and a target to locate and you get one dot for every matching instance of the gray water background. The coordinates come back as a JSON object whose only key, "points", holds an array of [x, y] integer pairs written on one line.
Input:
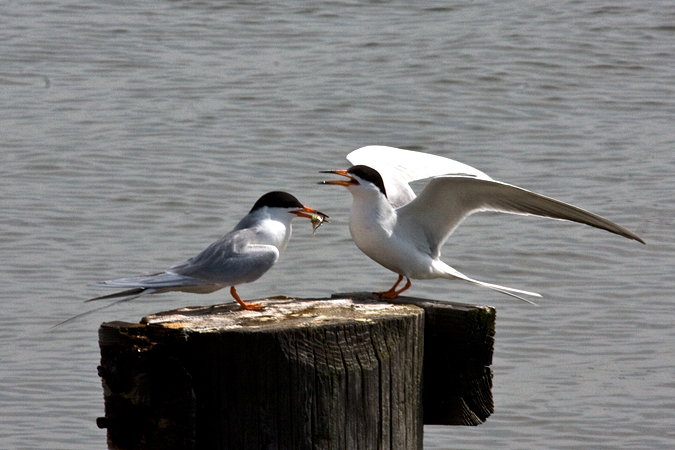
{"points": [[133, 134]]}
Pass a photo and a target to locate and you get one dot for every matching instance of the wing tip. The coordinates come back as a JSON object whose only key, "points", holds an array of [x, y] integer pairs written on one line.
{"points": [[638, 238], [129, 292]]}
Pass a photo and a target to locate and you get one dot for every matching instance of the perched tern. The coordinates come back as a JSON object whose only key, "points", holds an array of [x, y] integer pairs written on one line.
{"points": [[405, 233], [241, 256]]}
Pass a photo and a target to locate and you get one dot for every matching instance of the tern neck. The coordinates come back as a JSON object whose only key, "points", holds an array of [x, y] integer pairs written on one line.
{"points": [[371, 208], [268, 228]]}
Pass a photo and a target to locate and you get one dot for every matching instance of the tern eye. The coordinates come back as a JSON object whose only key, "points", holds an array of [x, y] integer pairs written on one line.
{"points": [[369, 174]]}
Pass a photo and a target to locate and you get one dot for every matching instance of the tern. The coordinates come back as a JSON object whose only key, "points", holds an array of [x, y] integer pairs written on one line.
{"points": [[405, 233], [241, 256]]}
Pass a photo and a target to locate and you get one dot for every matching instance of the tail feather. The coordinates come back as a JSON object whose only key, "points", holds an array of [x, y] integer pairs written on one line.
{"points": [[128, 295], [452, 273], [506, 290], [136, 292]]}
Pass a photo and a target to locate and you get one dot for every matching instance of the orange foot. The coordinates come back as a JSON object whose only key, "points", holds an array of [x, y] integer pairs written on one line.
{"points": [[393, 293], [243, 304]]}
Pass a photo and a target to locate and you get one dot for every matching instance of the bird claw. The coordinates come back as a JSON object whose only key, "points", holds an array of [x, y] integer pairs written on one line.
{"points": [[386, 294], [252, 306], [393, 293]]}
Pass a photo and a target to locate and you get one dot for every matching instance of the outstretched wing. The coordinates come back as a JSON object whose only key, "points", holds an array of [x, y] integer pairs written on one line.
{"points": [[446, 201], [399, 167]]}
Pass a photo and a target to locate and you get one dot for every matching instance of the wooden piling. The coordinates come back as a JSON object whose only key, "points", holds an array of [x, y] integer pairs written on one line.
{"points": [[340, 373], [458, 348]]}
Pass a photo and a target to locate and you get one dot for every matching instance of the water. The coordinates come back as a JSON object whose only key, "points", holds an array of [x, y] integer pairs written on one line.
{"points": [[134, 134]]}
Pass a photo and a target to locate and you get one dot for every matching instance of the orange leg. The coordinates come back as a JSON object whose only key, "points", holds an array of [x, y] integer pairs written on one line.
{"points": [[244, 305], [393, 293]]}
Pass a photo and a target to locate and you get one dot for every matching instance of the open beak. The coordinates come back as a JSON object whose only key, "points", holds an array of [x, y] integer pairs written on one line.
{"points": [[309, 213], [352, 181]]}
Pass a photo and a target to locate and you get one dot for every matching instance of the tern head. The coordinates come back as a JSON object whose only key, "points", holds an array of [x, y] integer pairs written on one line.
{"points": [[359, 175], [285, 201]]}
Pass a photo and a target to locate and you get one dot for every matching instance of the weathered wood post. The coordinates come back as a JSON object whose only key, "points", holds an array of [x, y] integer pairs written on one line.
{"points": [[458, 348], [339, 373]]}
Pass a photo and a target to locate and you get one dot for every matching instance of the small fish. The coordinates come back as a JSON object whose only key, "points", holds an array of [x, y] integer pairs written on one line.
{"points": [[317, 220]]}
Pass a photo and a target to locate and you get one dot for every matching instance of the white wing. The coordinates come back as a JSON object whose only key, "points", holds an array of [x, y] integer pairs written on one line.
{"points": [[399, 167], [446, 201]]}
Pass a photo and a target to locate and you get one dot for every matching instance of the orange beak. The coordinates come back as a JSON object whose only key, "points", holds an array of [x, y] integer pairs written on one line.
{"points": [[308, 212], [345, 183]]}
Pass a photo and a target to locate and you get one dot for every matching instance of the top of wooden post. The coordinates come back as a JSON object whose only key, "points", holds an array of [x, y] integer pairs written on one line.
{"points": [[278, 312]]}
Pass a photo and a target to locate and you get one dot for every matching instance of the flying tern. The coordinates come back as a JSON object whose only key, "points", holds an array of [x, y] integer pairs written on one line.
{"points": [[405, 233], [241, 256]]}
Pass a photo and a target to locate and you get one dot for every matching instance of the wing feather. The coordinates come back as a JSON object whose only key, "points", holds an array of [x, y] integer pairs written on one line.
{"points": [[400, 167], [446, 201], [230, 261]]}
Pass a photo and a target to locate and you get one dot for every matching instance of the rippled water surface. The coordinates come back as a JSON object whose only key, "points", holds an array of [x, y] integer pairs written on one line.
{"points": [[136, 133]]}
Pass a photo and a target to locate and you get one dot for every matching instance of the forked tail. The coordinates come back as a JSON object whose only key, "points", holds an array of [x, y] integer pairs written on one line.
{"points": [[455, 274], [128, 295]]}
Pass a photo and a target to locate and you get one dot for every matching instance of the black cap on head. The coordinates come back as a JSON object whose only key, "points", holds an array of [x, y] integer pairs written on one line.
{"points": [[368, 174], [277, 199]]}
